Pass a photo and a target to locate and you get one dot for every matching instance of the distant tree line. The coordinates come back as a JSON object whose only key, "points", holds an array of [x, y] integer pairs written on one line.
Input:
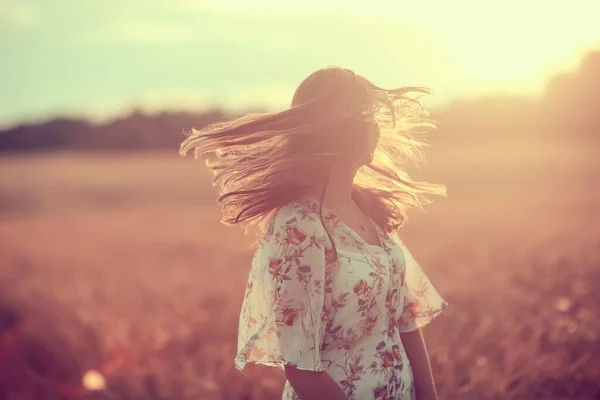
{"points": [[136, 131], [570, 106]]}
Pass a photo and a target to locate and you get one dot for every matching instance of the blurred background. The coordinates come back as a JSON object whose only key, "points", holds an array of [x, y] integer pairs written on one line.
{"points": [[117, 280]]}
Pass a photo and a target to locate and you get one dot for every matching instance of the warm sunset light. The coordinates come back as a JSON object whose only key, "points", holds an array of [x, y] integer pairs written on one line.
{"points": [[185, 54], [93, 380], [510, 41], [193, 192]]}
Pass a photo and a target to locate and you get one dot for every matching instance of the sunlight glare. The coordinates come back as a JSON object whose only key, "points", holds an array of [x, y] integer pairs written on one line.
{"points": [[93, 380]]}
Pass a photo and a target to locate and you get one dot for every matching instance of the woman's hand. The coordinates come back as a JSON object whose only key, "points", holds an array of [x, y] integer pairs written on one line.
{"points": [[312, 385]]}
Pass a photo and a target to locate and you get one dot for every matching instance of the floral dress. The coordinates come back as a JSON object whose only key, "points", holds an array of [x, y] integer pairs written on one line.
{"points": [[305, 307]]}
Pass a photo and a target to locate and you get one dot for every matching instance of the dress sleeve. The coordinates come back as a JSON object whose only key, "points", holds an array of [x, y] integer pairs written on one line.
{"points": [[283, 312], [421, 301]]}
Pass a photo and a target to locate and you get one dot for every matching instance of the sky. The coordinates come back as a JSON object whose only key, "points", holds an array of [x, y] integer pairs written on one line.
{"points": [[101, 58]]}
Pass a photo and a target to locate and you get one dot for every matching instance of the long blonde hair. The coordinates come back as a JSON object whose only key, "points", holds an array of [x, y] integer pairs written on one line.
{"points": [[262, 161]]}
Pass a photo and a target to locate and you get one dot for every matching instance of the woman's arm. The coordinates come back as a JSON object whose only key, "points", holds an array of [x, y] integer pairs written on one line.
{"points": [[313, 385], [414, 345]]}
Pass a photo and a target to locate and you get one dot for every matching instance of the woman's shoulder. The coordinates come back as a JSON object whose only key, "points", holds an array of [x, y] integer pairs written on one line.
{"points": [[300, 214], [292, 229]]}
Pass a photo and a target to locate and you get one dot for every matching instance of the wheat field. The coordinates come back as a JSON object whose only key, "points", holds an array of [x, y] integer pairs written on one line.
{"points": [[117, 262]]}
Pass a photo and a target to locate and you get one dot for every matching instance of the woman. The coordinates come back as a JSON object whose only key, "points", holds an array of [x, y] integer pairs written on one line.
{"points": [[333, 297]]}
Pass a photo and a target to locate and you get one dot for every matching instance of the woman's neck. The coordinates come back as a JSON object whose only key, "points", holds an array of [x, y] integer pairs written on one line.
{"points": [[339, 188]]}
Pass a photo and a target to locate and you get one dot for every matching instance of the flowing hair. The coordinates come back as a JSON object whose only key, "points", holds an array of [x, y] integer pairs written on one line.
{"points": [[262, 161]]}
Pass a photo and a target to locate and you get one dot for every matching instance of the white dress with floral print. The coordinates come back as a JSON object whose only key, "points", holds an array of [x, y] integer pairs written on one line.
{"points": [[307, 308]]}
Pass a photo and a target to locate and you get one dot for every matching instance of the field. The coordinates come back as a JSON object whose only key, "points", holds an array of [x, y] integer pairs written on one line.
{"points": [[117, 262]]}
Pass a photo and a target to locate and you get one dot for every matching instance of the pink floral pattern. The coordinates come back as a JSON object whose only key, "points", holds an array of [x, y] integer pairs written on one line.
{"points": [[304, 307]]}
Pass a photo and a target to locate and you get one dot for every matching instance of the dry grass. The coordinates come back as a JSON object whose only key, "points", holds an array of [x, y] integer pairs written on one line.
{"points": [[117, 262]]}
